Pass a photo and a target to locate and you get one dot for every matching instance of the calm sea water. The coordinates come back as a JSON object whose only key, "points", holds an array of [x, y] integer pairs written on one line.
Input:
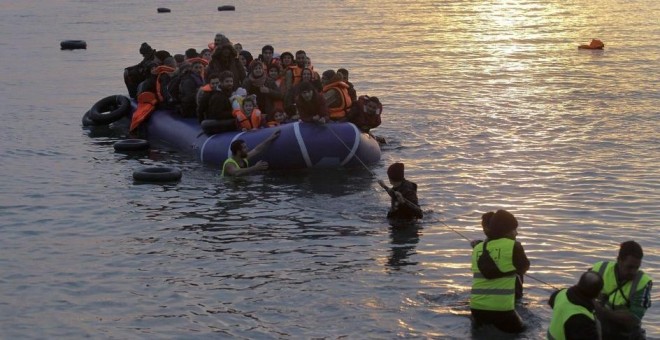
{"points": [[488, 103]]}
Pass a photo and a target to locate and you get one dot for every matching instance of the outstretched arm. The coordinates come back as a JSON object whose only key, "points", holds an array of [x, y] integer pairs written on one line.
{"points": [[233, 170], [263, 145]]}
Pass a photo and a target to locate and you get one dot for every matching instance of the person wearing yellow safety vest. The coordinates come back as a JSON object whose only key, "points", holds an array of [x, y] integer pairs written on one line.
{"points": [[497, 264], [573, 310], [238, 165], [626, 295]]}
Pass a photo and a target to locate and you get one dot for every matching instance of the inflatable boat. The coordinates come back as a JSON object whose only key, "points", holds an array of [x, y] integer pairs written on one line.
{"points": [[300, 145]]}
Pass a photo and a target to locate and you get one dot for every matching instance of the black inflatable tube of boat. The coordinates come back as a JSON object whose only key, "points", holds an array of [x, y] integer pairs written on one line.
{"points": [[73, 45], [131, 145], [226, 8], [163, 10], [110, 109], [157, 174]]}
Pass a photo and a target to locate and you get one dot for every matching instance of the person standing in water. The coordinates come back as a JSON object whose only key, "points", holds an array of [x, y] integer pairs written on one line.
{"points": [[404, 203], [497, 264]]}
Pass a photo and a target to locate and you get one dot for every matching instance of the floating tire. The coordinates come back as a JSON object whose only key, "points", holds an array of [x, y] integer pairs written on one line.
{"points": [[157, 174], [73, 45], [86, 121], [110, 109], [226, 8], [163, 10], [131, 145]]}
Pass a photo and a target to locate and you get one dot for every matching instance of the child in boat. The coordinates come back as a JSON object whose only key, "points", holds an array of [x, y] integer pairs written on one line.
{"points": [[248, 116]]}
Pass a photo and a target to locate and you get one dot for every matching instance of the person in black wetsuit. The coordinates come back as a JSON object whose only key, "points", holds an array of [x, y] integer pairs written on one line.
{"points": [[404, 203]]}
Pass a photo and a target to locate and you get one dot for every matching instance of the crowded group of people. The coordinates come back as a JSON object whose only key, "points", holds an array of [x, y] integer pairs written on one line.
{"points": [[227, 89], [608, 302]]}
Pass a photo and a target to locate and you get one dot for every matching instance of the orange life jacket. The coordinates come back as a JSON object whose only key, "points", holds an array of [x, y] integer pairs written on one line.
{"points": [[296, 73], [339, 112], [251, 123], [198, 59], [146, 103], [160, 70]]}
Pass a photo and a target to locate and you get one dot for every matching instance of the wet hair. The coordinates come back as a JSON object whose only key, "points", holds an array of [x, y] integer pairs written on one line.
{"points": [[267, 48], [630, 248], [287, 53], [344, 72], [590, 284], [236, 146], [301, 52]]}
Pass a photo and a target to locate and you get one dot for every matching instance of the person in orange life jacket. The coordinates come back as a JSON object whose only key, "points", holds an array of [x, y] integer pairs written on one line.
{"points": [[292, 73], [191, 53], [351, 88], [576, 326], [267, 56], [192, 79], [365, 113], [316, 78], [134, 75], [403, 194], [335, 91], [238, 163], [225, 58], [293, 93], [165, 73], [248, 117], [311, 106], [258, 83], [489, 300], [245, 57], [214, 103], [279, 118], [626, 295], [286, 60], [275, 74]]}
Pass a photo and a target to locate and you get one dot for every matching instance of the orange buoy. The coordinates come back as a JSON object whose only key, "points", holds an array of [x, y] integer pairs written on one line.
{"points": [[595, 44]]}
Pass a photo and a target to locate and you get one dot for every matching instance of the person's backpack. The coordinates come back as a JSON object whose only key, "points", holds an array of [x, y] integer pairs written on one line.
{"points": [[488, 267]]}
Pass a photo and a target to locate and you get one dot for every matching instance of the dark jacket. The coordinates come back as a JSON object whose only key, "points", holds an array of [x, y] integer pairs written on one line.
{"points": [[264, 100], [406, 210], [221, 63], [215, 105], [190, 83], [316, 106], [579, 326]]}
